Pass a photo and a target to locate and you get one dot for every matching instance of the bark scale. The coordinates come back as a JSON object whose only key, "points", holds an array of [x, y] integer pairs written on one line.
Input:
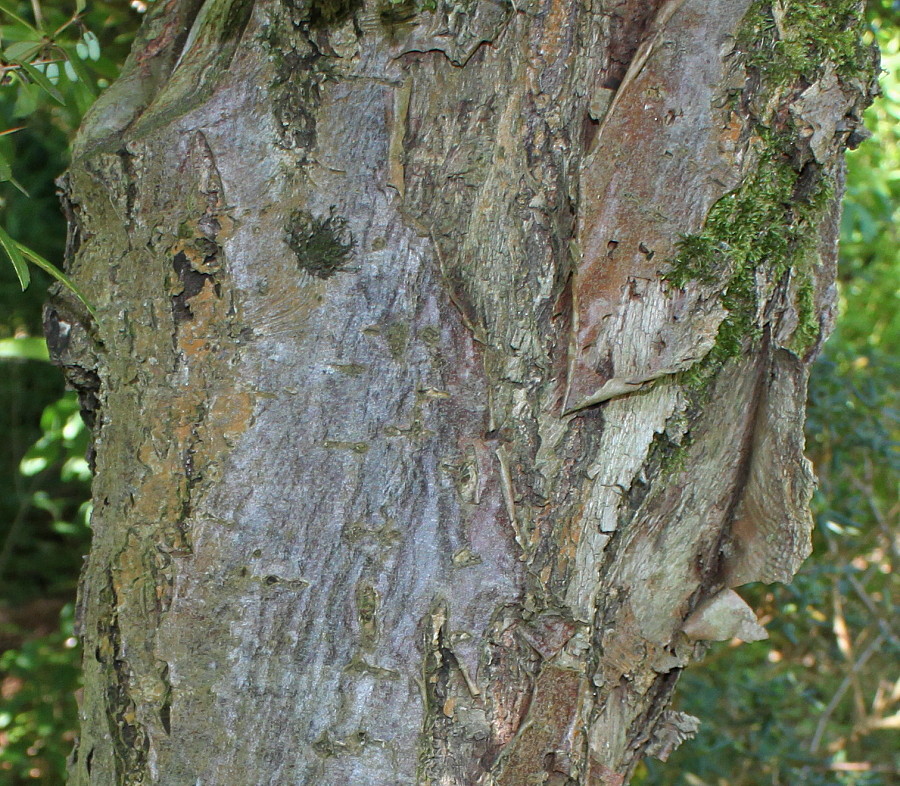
{"points": [[449, 375]]}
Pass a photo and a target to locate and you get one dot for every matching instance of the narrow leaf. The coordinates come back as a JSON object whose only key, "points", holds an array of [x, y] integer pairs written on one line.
{"points": [[49, 267], [15, 256], [18, 185], [22, 50], [41, 79], [6, 9]]}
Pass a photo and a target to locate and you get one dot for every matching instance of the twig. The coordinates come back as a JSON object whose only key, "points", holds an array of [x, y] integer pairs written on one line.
{"points": [[867, 601], [839, 693]]}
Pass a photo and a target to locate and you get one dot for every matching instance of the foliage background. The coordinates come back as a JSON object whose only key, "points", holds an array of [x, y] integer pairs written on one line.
{"points": [[43, 474], [816, 704]]}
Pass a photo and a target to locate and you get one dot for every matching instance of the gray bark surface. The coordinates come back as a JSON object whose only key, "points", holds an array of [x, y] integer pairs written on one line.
{"points": [[414, 463]]}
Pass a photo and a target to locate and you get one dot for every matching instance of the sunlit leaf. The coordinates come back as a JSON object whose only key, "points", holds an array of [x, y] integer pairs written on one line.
{"points": [[75, 468], [74, 427], [32, 466], [65, 528], [25, 348]]}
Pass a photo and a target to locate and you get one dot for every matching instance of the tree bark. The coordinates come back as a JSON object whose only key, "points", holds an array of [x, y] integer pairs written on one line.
{"points": [[449, 375]]}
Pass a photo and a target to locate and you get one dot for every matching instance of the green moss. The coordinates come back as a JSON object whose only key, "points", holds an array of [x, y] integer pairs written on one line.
{"points": [[666, 457], [300, 70], [323, 245], [464, 558], [802, 37], [358, 665], [808, 328], [327, 14], [768, 223]]}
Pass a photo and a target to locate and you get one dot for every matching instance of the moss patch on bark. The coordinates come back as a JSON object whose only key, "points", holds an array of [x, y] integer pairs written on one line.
{"points": [[323, 245]]}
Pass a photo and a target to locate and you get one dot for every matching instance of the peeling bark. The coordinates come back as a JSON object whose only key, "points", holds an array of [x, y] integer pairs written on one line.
{"points": [[426, 452]]}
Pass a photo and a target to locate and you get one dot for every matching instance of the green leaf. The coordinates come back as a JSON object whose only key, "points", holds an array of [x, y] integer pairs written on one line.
{"points": [[18, 185], [5, 169], [75, 468], [37, 460], [25, 348], [27, 99], [15, 256], [22, 50], [41, 79], [49, 267], [11, 13]]}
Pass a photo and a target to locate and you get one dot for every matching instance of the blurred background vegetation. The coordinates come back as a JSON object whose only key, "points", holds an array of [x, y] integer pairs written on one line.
{"points": [[44, 479], [816, 704]]}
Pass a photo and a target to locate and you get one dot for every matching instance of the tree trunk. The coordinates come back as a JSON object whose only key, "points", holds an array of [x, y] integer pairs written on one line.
{"points": [[449, 374]]}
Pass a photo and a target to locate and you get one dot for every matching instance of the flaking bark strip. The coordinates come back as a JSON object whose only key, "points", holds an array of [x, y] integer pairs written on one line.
{"points": [[625, 215]]}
